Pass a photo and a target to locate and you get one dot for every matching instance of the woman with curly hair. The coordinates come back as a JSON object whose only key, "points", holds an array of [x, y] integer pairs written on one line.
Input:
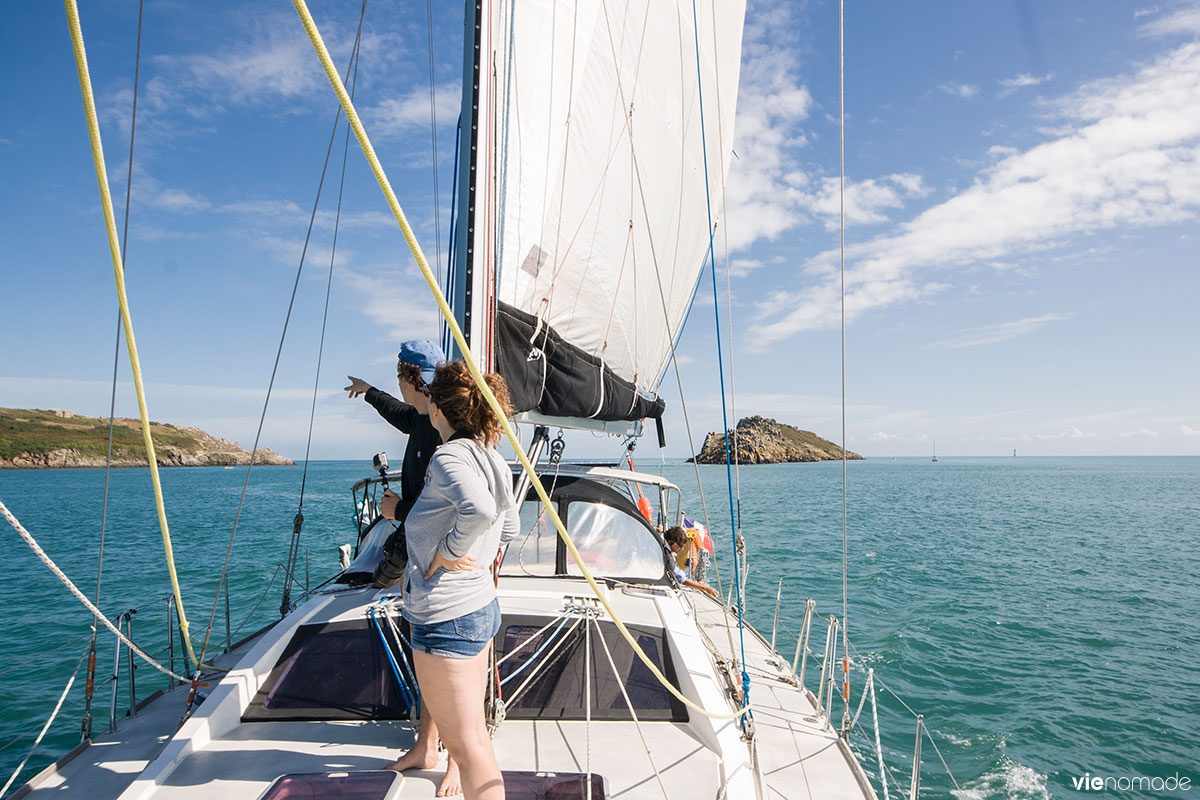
{"points": [[454, 532]]}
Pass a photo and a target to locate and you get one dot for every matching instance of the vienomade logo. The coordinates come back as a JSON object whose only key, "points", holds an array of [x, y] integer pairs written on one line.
{"points": [[1096, 783]]}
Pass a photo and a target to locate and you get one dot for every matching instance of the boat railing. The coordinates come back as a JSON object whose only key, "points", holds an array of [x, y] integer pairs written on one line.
{"points": [[366, 508], [168, 654], [823, 699]]}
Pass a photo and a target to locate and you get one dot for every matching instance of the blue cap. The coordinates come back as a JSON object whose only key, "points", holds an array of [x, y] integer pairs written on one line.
{"points": [[424, 354]]}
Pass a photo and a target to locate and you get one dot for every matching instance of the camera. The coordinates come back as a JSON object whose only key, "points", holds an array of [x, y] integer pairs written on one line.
{"points": [[380, 464]]}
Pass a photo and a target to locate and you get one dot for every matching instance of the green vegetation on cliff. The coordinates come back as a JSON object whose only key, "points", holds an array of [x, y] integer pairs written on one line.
{"points": [[761, 440], [54, 438]]}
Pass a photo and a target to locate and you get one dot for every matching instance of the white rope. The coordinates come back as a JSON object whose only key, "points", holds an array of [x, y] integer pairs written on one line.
{"points": [[29, 540], [875, 721], [725, 786], [537, 670], [637, 723], [530, 638], [861, 700], [587, 699], [49, 722]]}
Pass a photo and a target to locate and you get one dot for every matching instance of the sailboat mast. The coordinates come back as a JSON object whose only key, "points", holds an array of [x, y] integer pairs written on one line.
{"points": [[469, 294]]}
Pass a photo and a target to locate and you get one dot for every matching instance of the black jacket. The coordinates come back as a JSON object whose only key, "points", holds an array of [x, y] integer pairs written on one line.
{"points": [[423, 439]]}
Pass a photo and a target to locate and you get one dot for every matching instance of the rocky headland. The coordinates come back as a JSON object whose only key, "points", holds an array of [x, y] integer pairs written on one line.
{"points": [[37, 438], [760, 440]]}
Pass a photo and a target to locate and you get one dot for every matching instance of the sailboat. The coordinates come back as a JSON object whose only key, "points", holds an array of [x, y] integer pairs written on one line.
{"points": [[935, 458], [583, 227]]}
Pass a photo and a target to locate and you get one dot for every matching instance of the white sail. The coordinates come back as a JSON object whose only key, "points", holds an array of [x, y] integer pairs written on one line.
{"points": [[591, 204]]}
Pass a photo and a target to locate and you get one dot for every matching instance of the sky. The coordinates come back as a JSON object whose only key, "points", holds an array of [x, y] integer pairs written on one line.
{"points": [[1022, 192]]}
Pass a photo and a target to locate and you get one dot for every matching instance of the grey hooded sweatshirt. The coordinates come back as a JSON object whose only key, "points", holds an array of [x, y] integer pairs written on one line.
{"points": [[466, 505]]}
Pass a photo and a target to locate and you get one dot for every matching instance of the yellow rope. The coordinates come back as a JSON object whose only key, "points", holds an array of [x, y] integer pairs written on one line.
{"points": [[89, 107], [369, 151]]}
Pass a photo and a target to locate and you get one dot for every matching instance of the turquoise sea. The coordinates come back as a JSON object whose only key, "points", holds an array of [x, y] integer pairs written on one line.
{"points": [[1042, 613]]}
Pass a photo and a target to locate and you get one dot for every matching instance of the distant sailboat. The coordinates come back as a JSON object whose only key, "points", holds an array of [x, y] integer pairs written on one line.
{"points": [[935, 458]]}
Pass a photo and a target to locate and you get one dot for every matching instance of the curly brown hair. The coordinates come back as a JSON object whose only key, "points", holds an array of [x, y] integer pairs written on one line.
{"points": [[411, 374], [455, 394]]}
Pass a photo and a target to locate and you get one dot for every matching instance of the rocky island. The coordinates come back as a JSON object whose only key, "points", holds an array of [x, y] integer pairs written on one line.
{"points": [[761, 440], [36, 438]]}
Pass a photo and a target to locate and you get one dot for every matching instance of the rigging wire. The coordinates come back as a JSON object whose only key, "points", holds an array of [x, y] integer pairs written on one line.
{"points": [[62, 576], [721, 372], [97, 148], [298, 522], [842, 200], [49, 722], [437, 203], [221, 584], [112, 407], [737, 471]]}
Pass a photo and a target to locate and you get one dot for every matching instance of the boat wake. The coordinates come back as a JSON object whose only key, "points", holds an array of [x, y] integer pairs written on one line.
{"points": [[1009, 779]]}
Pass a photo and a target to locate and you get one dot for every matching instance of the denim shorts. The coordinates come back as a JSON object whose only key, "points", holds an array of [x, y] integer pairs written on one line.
{"points": [[461, 637]]}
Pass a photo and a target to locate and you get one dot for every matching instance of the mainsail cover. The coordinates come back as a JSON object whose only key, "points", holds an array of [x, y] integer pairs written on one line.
{"points": [[596, 220]]}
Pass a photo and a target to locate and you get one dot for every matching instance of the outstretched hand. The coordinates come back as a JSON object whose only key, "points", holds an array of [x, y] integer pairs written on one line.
{"points": [[464, 564], [357, 387]]}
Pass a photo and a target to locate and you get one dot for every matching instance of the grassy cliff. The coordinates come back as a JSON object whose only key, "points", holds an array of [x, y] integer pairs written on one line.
{"points": [[760, 440], [54, 438]]}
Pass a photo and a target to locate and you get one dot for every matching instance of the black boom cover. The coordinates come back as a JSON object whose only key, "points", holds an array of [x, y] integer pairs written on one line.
{"points": [[554, 377]]}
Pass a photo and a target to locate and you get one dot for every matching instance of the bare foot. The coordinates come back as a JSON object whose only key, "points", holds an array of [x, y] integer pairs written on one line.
{"points": [[418, 759], [451, 784]]}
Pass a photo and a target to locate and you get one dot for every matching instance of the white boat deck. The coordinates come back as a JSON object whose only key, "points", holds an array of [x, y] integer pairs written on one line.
{"points": [[799, 754], [219, 756]]}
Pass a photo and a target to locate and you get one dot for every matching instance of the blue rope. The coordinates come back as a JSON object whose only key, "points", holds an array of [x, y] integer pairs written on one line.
{"points": [[409, 669], [387, 648], [532, 658], [721, 370]]}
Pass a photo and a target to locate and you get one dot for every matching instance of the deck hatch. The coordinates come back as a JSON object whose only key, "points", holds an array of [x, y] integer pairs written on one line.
{"points": [[330, 671], [373, 785], [557, 690]]}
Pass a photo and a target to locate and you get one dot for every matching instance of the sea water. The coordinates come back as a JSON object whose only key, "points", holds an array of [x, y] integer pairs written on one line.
{"points": [[1042, 614]]}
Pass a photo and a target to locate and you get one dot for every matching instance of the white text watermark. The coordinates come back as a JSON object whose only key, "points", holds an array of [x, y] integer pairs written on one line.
{"points": [[1124, 783]]}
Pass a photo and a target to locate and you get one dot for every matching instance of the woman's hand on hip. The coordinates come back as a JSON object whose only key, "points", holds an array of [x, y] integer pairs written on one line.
{"points": [[464, 564]]}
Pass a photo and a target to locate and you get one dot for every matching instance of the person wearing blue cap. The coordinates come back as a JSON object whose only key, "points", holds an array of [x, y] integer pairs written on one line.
{"points": [[414, 371], [415, 367]]}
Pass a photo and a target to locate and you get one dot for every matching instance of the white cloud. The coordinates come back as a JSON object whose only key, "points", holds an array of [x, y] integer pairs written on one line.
{"points": [[397, 116], [963, 90], [741, 267], [1025, 79], [400, 307], [289, 212], [1001, 332], [1183, 21], [865, 200], [769, 191], [1140, 433], [766, 184], [1069, 433], [1188, 430], [1130, 157], [179, 200], [882, 437]]}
